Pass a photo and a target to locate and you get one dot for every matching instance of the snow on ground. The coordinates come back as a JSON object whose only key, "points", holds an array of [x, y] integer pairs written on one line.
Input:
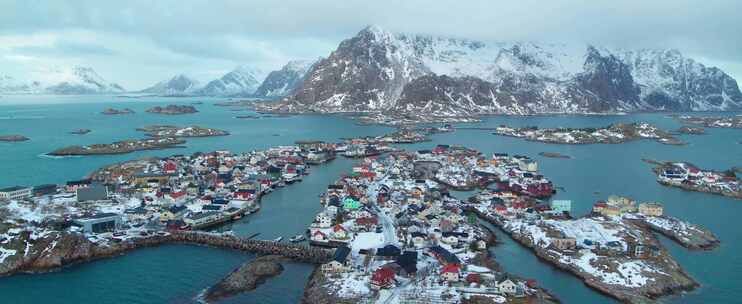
{"points": [[349, 285], [629, 273], [5, 253], [366, 240]]}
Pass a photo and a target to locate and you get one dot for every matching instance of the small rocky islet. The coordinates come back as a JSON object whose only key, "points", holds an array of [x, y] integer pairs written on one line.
{"points": [[173, 110], [80, 131], [13, 138], [689, 177], [113, 111]]}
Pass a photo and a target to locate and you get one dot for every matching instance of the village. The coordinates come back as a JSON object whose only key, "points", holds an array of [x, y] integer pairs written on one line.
{"points": [[396, 232], [612, 134], [402, 238], [689, 177]]}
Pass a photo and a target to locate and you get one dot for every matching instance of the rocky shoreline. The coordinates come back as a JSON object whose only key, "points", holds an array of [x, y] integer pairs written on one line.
{"points": [[246, 277], [688, 235], [36, 254], [120, 147]]}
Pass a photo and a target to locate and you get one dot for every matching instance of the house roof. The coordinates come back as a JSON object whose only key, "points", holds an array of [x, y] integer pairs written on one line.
{"points": [[341, 254], [454, 268]]}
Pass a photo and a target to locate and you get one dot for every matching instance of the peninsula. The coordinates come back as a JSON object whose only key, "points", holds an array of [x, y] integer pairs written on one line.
{"points": [[689, 177], [731, 122]]}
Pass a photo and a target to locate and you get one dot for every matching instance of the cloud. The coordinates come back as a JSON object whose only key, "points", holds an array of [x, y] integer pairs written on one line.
{"points": [[155, 39], [65, 48]]}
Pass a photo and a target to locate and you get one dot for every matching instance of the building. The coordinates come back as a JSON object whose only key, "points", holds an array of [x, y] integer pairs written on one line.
{"points": [[339, 260], [564, 243], [450, 272], [624, 204], [559, 206], [651, 209], [15, 193], [95, 192], [382, 278], [99, 223]]}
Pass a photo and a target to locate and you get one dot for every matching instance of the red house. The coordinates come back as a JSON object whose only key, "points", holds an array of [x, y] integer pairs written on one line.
{"points": [[242, 195], [382, 278], [170, 167]]}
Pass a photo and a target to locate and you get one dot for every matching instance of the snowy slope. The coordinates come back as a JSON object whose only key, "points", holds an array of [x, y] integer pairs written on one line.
{"points": [[372, 70], [177, 86], [284, 81], [242, 81], [79, 80]]}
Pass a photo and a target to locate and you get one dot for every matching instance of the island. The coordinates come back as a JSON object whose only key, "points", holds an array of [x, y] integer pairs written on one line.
{"points": [[401, 238], [691, 130], [120, 147], [689, 177], [173, 110], [112, 111], [731, 122], [611, 134], [554, 155], [13, 138], [80, 131], [175, 131], [245, 278]]}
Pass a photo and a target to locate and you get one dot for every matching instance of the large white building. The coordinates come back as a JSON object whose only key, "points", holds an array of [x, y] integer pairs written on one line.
{"points": [[15, 193]]}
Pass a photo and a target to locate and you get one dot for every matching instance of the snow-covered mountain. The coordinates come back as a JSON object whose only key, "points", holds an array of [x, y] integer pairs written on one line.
{"points": [[75, 80], [11, 85], [380, 71], [179, 85], [242, 81], [284, 81]]}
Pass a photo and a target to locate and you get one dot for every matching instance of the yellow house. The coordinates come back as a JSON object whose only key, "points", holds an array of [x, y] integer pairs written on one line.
{"points": [[651, 209]]}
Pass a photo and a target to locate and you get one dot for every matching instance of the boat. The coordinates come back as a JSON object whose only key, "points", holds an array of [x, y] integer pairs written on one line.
{"points": [[278, 239], [297, 238]]}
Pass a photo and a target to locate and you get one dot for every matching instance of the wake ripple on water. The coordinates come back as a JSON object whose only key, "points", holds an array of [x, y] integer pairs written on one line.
{"points": [[44, 155], [23, 117]]}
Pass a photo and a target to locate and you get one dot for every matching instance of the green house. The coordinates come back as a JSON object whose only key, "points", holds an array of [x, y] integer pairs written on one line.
{"points": [[350, 204]]}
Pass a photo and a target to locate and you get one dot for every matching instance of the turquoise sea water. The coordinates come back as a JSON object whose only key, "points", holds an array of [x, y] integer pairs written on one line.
{"points": [[177, 274]]}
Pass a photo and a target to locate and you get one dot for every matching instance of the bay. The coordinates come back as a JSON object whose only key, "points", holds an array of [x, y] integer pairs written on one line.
{"points": [[177, 274]]}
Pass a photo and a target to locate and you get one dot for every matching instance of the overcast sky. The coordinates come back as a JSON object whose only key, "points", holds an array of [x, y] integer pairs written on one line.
{"points": [[137, 43]]}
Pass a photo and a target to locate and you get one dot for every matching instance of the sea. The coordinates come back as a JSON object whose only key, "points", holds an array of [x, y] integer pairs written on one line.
{"points": [[180, 273]]}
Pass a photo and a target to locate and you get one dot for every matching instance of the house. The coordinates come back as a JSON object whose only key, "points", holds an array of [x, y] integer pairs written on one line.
{"points": [[650, 209], [624, 204], [444, 256], [388, 252], [339, 232], [564, 243], [560, 206], [382, 278], [98, 223], [95, 192], [408, 262], [473, 278], [366, 223], [173, 213], [15, 193], [507, 286], [339, 260], [323, 220], [450, 272], [41, 190], [319, 236]]}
